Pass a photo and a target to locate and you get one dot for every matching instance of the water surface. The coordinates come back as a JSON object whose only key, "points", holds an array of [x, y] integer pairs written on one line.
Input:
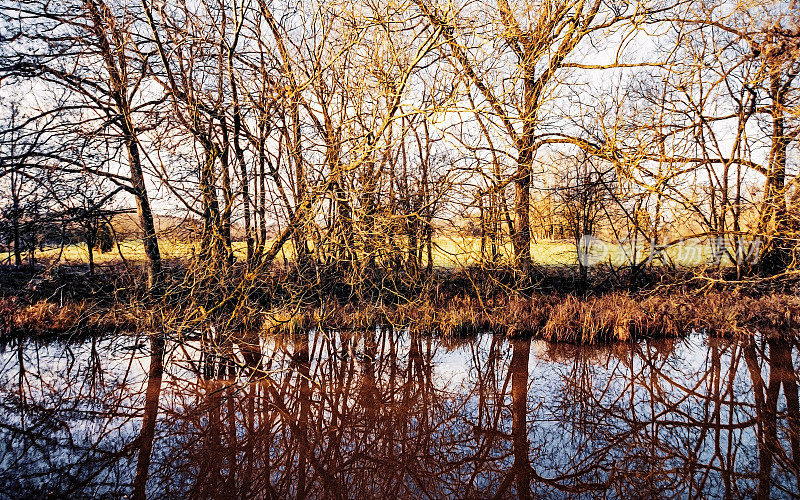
{"points": [[383, 414]]}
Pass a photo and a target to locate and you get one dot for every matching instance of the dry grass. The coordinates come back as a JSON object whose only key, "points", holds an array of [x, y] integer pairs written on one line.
{"points": [[81, 317], [614, 317], [622, 317], [289, 323], [351, 316], [450, 252], [446, 308]]}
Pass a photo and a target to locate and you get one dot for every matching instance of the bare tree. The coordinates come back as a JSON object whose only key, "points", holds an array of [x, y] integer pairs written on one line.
{"points": [[85, 48]]}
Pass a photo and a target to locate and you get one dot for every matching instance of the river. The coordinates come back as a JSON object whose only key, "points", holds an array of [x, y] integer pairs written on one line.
{"points": [[385, 414]]}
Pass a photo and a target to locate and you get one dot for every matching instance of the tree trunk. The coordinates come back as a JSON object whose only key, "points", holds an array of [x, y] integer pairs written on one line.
{"points": [[114, 59], [239, 153], [522, 181], [210, 241], [17, 242], [237, 148], [227, 195], [429, 245], [149, 237], [777, 251], [261, 197], [90, 242], [300, 178]]}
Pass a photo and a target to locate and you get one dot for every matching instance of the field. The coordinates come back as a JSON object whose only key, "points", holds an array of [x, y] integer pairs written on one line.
{"points": [[449, 252]]}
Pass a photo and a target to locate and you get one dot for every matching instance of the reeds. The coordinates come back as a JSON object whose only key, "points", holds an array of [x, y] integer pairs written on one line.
{"points": [[614, 317], [289, 323], [81, 317], [622, 317]]}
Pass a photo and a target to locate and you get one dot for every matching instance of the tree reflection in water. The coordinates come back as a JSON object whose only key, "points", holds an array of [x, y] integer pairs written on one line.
{"points": [[383, 414]]}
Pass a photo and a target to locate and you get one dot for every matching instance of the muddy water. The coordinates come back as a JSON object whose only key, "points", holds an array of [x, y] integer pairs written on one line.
{"points": [[386, 415]]}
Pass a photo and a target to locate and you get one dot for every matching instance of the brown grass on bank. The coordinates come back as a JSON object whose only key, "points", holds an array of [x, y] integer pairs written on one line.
{"points": [[613, 317], [289, 322], [621, 317], [81, 317]]}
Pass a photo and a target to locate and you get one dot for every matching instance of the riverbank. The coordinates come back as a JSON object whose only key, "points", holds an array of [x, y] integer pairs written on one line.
{"points": [[69, 301]]}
